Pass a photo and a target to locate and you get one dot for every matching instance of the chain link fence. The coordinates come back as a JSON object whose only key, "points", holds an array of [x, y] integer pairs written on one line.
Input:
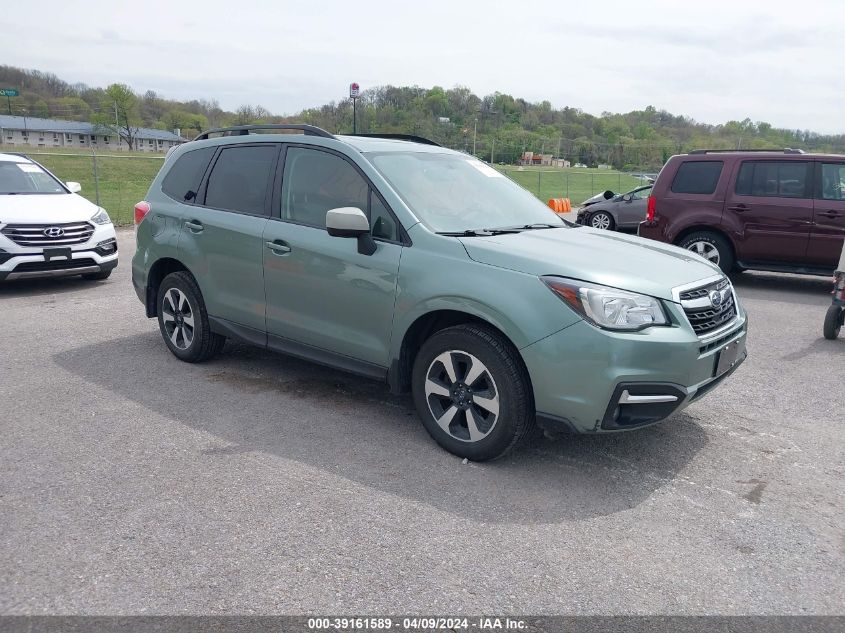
{"points": [[575, 184], [114, 182], [117, 182]]}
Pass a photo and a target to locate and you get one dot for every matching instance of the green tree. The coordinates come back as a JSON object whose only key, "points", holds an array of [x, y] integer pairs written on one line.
{"points": [[119, 113]]}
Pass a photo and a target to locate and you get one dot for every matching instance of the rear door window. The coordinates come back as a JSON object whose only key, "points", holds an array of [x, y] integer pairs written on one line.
{"points": [[183, 180], [240, 179], [698, 177], [774, 178]]}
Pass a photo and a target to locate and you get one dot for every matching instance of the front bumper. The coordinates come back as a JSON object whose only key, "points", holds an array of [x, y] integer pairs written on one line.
{"points": [[588, 380], [98, 254]]}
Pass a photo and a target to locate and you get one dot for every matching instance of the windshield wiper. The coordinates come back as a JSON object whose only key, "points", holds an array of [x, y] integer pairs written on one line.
{"points": [[479, 232]]}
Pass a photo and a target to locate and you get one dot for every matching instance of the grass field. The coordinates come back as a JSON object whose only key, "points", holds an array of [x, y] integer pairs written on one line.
{"points": [[575, 184], [125, 177]]}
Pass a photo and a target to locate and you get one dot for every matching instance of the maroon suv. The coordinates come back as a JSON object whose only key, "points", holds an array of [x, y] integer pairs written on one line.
{"points": [[760, 210]]}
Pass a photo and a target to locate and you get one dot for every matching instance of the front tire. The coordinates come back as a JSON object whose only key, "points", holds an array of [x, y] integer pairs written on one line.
{"points": [[602, 220], [712, 247], [833, 322], [183, 319], [472, 392]]}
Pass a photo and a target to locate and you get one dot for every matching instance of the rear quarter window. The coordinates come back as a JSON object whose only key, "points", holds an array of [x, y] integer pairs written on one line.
{"points": [[183, 179], [780, 179], [698, 177]]}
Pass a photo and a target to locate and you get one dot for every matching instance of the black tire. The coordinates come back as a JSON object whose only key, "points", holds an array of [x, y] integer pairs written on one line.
{"points": [[602, 217], [833, 322], [504, 380], [203, 343], [717, 241], [100, 276]]}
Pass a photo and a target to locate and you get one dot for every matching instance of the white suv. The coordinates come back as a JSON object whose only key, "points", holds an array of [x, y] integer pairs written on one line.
{"points": [[46, 229]]}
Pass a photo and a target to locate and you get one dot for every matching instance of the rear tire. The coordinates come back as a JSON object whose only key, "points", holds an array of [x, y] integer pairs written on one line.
{"points": [[183, 319], [602, 220], [100, 276], [833, 322], [712, 247], [472, 392]]}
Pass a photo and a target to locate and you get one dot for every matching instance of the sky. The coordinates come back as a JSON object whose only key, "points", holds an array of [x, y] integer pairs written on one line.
{"points": [[713, 61]]}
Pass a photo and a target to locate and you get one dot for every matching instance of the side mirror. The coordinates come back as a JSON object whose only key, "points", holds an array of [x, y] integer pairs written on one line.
{"points": [[74, 187], [627, 197], [351, 222]]}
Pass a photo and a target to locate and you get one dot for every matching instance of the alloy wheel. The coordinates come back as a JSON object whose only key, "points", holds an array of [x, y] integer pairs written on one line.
{"points": [[462, 396], [178, 318], [706, 250], [600, 221]]}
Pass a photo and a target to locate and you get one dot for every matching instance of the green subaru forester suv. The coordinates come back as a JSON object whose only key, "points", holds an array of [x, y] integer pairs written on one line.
{"points": [[394, 258]]}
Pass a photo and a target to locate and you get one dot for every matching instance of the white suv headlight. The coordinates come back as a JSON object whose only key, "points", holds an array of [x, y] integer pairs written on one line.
{"points": [[607, 307], [101, 217]]}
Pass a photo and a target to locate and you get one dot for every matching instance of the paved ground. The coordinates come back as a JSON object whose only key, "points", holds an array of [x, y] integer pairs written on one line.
{"points": [[133, 483]]}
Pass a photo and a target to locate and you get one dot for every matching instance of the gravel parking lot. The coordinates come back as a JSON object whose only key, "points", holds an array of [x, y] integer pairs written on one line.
{"points": [[133, 483]]}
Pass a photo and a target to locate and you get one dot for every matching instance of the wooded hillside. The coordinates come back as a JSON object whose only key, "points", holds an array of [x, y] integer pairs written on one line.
{"points": [[497, 127]]}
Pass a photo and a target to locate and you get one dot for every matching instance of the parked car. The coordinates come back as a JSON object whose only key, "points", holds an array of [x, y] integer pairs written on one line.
{"points": [[760, 210], [615, 212], [46, 229], [403, 261]]}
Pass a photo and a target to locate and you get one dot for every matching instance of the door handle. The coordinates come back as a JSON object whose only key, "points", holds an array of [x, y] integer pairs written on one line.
{"points": [[739, 208], [194, 226], [830, 213], [278, 248]]}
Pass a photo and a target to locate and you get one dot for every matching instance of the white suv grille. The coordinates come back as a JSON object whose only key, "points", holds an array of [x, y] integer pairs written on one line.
{"points": [[49, 234]]}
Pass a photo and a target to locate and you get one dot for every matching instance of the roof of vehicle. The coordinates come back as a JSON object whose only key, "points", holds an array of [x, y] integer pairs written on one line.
{"points": [[368, 144], [766, 153], [372, 142]]}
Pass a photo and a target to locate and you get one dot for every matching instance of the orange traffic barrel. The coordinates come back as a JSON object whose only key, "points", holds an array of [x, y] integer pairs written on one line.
{"points": [[560, 205]]}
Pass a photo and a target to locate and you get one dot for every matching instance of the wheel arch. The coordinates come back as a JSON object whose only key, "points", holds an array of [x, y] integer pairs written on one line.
{"points": [[704, 228], [422, 328], [158, 271]]}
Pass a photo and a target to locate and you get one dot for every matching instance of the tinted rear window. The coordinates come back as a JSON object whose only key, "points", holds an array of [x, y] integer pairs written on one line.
{"points": [[240, 177], [183, 180], [697, 177], [781, 179]]}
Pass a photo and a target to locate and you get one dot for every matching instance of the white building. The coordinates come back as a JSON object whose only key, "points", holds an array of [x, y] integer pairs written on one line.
{"points": [[44, 133]]}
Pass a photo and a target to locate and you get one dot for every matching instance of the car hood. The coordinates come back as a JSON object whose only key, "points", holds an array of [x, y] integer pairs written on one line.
{"points": [[56, 208], [601, 257]]}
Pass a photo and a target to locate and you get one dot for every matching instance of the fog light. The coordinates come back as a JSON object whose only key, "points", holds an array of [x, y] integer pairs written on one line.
{"points": [[106, 247]]}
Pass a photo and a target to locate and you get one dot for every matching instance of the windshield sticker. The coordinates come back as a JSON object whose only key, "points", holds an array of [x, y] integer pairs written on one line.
{"points": [[33, 169], [485, 169]]}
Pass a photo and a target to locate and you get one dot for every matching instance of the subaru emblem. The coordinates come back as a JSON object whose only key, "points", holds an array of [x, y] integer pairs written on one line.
{"points": [[715, 298]]}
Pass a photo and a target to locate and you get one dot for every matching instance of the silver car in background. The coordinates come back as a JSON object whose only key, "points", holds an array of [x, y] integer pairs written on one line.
{"points": [[615, 212]]}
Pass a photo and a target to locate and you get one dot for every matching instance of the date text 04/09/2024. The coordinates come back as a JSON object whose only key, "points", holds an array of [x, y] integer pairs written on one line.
{"points": [[415, 623]]}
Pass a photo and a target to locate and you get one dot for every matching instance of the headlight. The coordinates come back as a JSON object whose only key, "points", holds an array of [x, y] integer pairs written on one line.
{"points": [[101, 217], [607, 307]]}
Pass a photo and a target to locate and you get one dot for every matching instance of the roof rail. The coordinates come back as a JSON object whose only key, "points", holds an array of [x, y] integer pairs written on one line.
{"points": [[400, 137], [242, 130], [787, 150]]}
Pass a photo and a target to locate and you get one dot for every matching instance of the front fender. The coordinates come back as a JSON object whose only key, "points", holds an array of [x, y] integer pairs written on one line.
{"points": [[518, 304]]}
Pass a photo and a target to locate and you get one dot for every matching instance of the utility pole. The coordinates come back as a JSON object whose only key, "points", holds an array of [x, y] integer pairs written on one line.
{"points": [[474, 135], [492, 149], [116, 131]]}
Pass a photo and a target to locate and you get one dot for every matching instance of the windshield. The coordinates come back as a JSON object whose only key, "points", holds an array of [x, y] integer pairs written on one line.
{"points": [[26, 178], [452, 193]]}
